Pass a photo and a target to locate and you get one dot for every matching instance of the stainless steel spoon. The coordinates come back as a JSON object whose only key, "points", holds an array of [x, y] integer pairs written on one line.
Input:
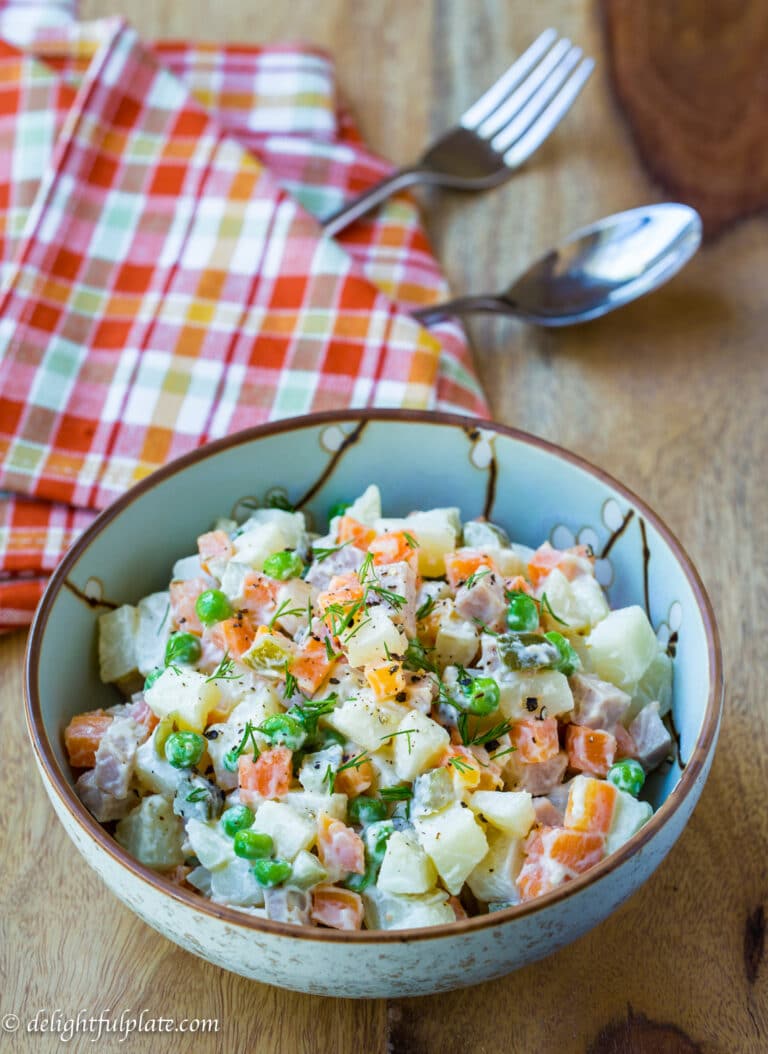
{"points": [[596, 270]]}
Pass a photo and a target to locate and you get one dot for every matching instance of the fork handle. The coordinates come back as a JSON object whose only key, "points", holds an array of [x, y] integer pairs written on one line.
{"points": [[464, 305], [369, 199]]}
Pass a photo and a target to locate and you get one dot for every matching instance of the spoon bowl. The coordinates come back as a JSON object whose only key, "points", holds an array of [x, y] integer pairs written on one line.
{"points": [[596, 270]]}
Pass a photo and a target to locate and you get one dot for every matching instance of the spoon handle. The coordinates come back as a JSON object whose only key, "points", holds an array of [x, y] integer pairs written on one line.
{"points": [[464, 305]]}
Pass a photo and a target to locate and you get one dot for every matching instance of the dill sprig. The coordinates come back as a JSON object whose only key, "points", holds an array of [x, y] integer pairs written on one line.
{"points": [[319, 553]]}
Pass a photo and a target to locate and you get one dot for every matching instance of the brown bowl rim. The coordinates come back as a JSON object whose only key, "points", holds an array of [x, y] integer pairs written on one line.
{"points": [[223, 913]]}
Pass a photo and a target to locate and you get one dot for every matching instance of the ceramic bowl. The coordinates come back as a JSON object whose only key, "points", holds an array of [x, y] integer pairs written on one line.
{"points": [[536, 491]]}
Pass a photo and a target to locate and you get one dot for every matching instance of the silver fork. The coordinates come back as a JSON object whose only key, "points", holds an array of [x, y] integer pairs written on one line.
{"points": [[495, 135]]}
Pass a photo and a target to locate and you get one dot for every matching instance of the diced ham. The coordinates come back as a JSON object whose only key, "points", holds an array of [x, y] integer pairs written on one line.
{"points": [[546, 813], [540, 777], [287, 905], [101, 805], [625, 744], [140, 712], [258, 597], [215, 550], [116, 756], [597, 704], [398, 578], [342, 562], [482, 600], [183, 594], [653, 742], [572, 562]]}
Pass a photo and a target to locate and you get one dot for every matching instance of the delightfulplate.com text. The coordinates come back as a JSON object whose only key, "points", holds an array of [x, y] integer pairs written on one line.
{"points": [[123, 1024]]}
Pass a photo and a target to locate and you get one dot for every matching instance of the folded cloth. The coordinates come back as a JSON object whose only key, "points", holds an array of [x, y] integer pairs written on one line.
{"points": [[163, 279]]}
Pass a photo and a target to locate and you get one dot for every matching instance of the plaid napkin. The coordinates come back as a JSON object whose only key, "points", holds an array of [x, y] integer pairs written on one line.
{"points": [[164, 280]]}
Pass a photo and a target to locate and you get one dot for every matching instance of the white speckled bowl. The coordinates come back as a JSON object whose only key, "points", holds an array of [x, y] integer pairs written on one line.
{"points": [[536, 491]]}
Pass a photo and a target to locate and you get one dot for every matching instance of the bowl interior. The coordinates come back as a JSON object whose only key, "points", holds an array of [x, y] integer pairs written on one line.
{"points": [[533, 490]]}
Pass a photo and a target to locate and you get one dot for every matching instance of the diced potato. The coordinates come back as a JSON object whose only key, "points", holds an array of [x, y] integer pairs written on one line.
{"points": [[456, 641], [265, 532], [257, 704], [235, 883], [185, 695], [383, 765], [367, 508], [152, 834], [187, 567], [307, 871], [436, 531], [455, 841], [654, 686], [233, 579], [309, 804], [494, 877], [629, 815], [622, 647], [406, 868], [507, 561], [549, 688], [211, 845], [510, 811], [418, 745], [290, 830], [118, 662], [376, 636], [293, 596], [152, 632], [392, 911], [580, 603], [366, 722], [153, 772]]}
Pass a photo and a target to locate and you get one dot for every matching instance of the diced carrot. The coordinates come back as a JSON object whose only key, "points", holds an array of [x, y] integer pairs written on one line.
{"points": [[589, 749], [269, 776], [590, 806], [554, 855], [355, 780], [463, 563], [535, 740], [259, 596], [341, 909], [341, 849], [311, 666], [351, 530], [462, 765], [214, 545], [233, 635], [184, 593], [83, 735], [490, 773], [392, 547], [572, 562], [457, 907], [625, 744], [386, 679], [342, 589], [518, 584]]}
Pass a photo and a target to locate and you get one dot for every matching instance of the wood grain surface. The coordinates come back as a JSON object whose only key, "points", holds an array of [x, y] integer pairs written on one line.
{"points": [[670, 395]]}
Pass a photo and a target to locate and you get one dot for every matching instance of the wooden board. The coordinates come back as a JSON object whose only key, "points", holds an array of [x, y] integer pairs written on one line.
{"points": [[670, 396], [692, 78]]}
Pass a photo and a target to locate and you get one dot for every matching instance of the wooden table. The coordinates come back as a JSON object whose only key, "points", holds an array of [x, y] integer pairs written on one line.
{"points": [[670, 395]]}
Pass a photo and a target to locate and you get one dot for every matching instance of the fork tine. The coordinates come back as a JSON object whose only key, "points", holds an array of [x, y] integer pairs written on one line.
{"points": [[525, 115], [517, 100], [498, 91], [548, 120]]}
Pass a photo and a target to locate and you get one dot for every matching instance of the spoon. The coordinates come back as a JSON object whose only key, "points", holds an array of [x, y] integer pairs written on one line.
{"points": [[596, 270]]}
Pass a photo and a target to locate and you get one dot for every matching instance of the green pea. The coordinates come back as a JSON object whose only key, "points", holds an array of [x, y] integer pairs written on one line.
{"points": [[284, 565], [522, 613], [212, 606], [338, 509], [483, 696], [152, 677], [364, 810], [628, 775], [284, 730], [184, 749], [182, 647], [252, 846], [569, 661], [237, 819], [271, 872]]}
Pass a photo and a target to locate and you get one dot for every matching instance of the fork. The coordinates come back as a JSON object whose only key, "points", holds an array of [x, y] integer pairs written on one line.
{"points": [[495, 135]]}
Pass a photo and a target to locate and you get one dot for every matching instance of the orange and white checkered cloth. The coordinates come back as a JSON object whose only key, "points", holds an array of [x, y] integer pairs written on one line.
{"points": [[164, 279]]}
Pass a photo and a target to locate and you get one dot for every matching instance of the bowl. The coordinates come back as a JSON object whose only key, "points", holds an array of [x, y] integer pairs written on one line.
{"points": [[537, 491]]}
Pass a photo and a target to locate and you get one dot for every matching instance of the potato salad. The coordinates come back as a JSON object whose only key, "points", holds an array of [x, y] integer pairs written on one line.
{"points": [[401, 723]]}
